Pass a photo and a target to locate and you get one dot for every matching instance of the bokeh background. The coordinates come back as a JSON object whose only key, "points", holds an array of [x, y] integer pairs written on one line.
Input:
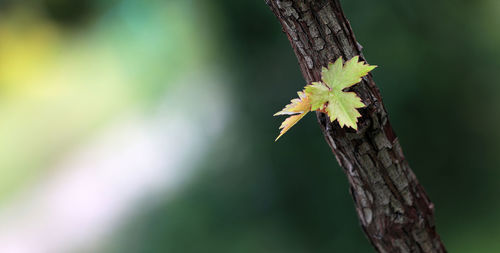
{"points": [[146, 126]]}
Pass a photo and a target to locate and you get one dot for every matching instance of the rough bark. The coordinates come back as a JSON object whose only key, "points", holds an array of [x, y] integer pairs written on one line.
{"points": [[393, 208]]}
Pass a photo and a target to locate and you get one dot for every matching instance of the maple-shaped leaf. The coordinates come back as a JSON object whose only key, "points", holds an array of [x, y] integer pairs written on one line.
{"points": [[298, 108], [329, 96]]}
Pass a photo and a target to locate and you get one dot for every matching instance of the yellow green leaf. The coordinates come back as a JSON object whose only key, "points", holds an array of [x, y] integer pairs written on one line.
{"points": [[297, 105], [298, 108], [328, 95], [339, 78], [318, 94], [341, 106], [289, 122]]}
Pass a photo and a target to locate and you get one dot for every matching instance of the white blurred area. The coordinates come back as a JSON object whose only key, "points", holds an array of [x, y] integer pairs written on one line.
{"points": [[99, 183], [85, 140]]}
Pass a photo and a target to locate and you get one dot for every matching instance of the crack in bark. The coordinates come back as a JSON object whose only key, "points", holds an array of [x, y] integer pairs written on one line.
{"points": [[394, 210]]}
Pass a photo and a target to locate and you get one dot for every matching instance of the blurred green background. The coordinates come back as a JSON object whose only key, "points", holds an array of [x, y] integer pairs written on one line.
{"points": [[146, 126]]}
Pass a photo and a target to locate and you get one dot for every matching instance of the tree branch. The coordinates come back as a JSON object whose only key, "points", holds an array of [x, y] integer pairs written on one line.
{"points": [[393, 208]]}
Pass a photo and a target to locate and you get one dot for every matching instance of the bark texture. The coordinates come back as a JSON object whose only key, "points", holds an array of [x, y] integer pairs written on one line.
{"points": [[393, 208]]}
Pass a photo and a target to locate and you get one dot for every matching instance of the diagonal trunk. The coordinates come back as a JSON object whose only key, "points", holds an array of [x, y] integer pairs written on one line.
{"points": [[393, 208]]}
